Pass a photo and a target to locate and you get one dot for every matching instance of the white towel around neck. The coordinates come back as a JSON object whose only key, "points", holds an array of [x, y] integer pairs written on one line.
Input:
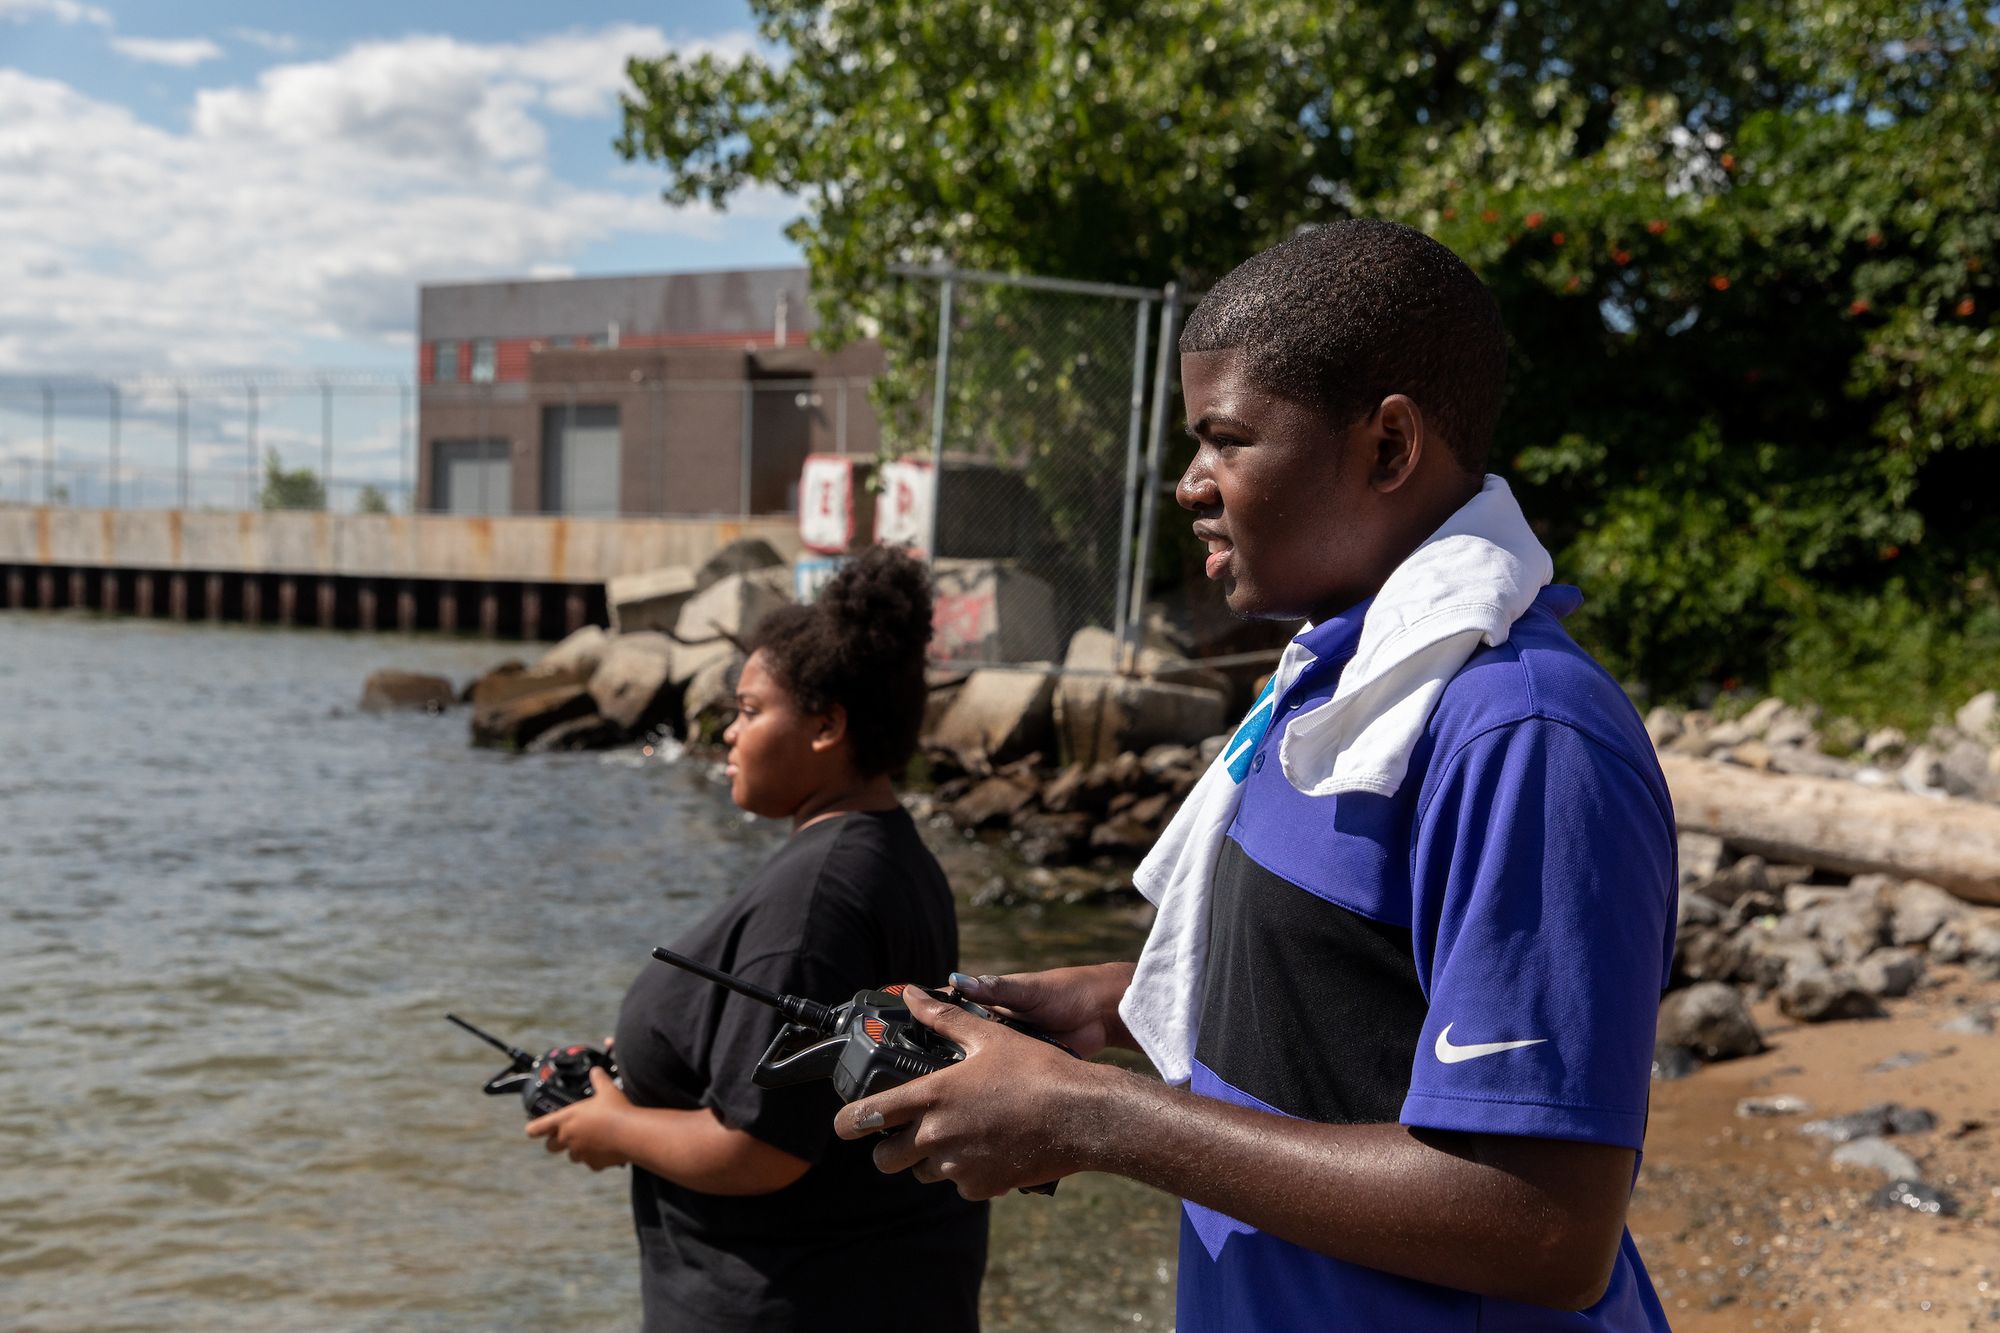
{"points": [[1465, 585]]}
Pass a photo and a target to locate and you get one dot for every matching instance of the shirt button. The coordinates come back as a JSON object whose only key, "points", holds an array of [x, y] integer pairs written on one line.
{"points": [[1257, 764]]}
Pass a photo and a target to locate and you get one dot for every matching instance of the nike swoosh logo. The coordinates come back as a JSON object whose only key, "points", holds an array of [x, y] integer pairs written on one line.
{"points": [[1452, 1055]]}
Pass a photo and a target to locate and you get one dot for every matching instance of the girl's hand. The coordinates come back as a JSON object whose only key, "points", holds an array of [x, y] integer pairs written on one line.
{"points": [[590, 1130]]}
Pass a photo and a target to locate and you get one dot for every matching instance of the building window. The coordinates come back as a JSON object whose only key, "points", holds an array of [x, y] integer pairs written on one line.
{"points": [[483, 361], [447, 363]]}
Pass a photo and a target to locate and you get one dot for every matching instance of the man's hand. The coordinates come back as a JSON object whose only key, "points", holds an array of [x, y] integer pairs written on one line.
{"points": [[1078, 1006], [999, 1120], [588, 1130]]}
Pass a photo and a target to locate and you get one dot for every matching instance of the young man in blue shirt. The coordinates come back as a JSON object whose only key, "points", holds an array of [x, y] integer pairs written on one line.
{"points": [[1419, 1082]]}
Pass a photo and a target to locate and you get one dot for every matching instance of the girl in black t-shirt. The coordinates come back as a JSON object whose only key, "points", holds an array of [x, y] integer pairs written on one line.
{"points": [[751, 1214]]}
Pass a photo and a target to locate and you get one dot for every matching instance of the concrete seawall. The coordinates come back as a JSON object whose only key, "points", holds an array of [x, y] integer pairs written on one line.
{"points": [[424, 546], [530, 576]]}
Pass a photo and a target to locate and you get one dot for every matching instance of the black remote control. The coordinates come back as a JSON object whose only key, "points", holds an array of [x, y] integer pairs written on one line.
{"points": [[547, 1082], [870, 1043]]}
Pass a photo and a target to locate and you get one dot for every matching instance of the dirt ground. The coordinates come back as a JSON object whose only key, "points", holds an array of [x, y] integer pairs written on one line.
{"points": [[1746, 1224]]}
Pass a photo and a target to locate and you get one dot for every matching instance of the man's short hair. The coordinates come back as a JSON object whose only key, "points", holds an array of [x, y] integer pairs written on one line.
{"points": [[1341, 316]]}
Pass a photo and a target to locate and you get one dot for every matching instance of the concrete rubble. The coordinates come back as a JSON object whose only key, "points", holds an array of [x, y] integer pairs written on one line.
{"points": [[388, 690], [653, 600], [1088, 760]]}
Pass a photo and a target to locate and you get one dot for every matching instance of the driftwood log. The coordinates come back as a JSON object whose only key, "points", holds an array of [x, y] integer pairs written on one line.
{"points": [[1841, 826]]}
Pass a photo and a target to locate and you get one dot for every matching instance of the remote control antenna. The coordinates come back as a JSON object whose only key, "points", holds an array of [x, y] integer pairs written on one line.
{"points": [[806, 1013], [522, 1060]]}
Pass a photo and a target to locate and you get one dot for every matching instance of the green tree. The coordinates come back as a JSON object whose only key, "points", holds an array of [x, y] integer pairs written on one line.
{"points": [[299, 488], [372, 500], [1743, 247]]}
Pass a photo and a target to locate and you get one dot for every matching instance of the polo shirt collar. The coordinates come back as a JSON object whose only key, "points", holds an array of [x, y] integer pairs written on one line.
{"points": [[1333, 641]]}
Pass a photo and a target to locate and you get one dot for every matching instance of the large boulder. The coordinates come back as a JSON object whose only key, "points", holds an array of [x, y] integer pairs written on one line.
{"points": [[1963, 768], [511, 680], [719, 617], [1710, 1019], [1098, 717], [579, 653], [1980, 717], [1700, 856], [1704, 953], [1917, 910], [999, 714], [1889, 972], [1849, 926], [995, 800], [514, 722], [639, 603], [1725, 886], [1053, 839], [388, 690], [631, 686], [1765, 958], [1092, 649], [1824, 996], [588, 732], [745, 555], [709, 701], [991, 611]]}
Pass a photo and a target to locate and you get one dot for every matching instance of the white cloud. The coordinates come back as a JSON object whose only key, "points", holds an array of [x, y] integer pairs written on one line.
{"points": [[278, 43], [62, 11], [308, 205], [180, 52]]}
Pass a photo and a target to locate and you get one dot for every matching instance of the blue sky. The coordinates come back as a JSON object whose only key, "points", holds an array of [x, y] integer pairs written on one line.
{"points": [[208, 186]]}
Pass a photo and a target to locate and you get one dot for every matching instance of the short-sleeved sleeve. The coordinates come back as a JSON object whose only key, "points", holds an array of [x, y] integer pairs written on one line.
{"points": [[798, 1120], [1543, 873]]}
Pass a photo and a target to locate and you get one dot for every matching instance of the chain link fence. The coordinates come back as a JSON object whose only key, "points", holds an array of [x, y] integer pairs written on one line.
{"points": [[1043, 426], [272, 442], [626, 447], [1040, 409]]}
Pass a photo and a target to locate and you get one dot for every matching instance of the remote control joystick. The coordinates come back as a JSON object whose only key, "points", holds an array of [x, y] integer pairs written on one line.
{"points": [[547, 1082], [870, 1043]]}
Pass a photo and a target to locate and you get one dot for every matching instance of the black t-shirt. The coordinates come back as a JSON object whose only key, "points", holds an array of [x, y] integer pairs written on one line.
{"points": [[850, 903]]}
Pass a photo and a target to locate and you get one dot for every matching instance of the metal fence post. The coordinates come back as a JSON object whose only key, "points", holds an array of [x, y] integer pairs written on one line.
{"points": [[1120, 617], [657, 449], [181, 440], [943, 373], [749, 412], [114, 405], [1170, 309], [405, 443], [250, 490], [326, 445], [48, 443]]}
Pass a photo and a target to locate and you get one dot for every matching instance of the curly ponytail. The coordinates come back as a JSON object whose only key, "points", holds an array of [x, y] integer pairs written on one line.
{"points": [[862, 646]]}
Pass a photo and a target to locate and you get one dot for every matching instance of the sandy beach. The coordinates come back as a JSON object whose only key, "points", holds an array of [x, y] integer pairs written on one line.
{"points": [[1746, 1223]]}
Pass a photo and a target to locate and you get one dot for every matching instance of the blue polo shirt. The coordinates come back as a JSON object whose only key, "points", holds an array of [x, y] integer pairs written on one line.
{"points": [[1483, 951]]}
